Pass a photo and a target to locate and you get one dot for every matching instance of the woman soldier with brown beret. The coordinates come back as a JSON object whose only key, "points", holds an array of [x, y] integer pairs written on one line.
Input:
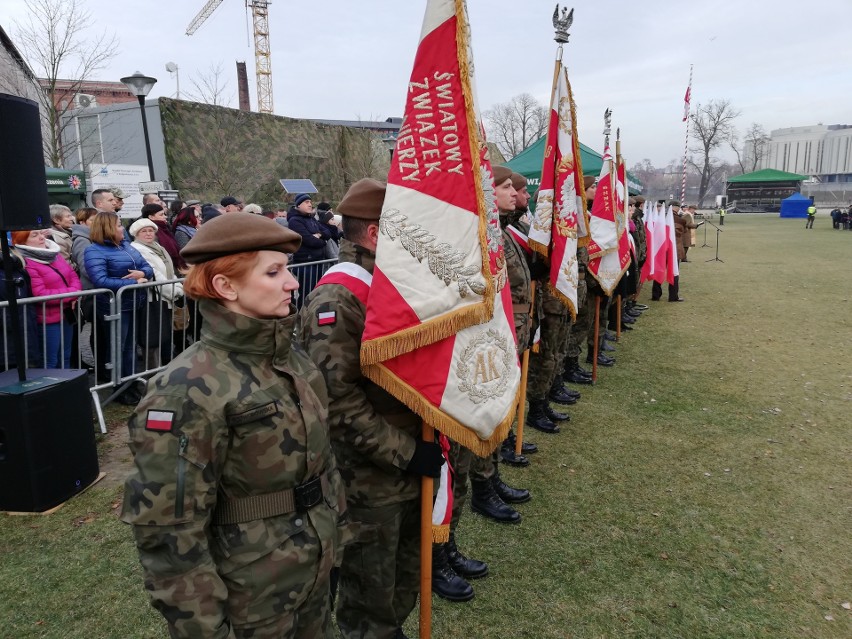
{"points": [[235, 499]]}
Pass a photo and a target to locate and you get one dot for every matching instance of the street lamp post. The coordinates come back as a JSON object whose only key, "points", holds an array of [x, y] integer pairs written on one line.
{"points": [[140, 86]]}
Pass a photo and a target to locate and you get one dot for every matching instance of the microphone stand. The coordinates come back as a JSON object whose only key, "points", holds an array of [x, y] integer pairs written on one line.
{"points": [[705, 233], [718, 230]]}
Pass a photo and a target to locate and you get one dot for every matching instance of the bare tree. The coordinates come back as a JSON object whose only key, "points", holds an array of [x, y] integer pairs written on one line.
{"points": [[711, 127], [211, 87], [516, 124], [56, 41], [755, 147]]}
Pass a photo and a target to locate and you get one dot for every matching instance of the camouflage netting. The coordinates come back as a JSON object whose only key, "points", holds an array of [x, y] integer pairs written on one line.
{"points": [[215, 151]]}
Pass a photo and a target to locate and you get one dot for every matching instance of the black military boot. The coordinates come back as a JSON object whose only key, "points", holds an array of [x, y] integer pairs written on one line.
{"points": [[527, 448], [574, 373], [508, 494], [558, 393], [554, 415], [537, 419], [610, 337], [604, 360], [445, 582], [508, 456], [464, 566], [606, 347], [485, 501]]}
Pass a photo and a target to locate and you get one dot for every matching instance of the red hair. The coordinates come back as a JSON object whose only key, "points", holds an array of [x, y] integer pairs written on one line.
{"points": [[20, 237], [199, 282]]}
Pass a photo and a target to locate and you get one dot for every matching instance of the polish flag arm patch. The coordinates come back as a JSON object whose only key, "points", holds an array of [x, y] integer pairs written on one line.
{"points": [[160, 420], [326, 318]]}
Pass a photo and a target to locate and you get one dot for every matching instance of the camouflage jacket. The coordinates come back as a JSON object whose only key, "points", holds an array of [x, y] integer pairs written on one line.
{"points": [[238, 414], [517, 266], [373, 434], [640, 237]]}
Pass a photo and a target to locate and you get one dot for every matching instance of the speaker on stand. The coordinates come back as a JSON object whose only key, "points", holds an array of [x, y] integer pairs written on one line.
{"points": [[47, 439]]}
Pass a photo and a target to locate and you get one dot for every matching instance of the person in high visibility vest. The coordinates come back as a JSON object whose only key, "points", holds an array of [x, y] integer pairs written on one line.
{"points": [[811, 215], [722, 213]]}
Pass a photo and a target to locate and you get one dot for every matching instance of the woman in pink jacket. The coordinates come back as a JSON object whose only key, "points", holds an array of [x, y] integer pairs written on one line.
{"points": [[50, 275]]}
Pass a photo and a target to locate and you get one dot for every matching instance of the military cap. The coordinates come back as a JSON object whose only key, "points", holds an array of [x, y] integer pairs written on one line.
{"points": [[674, 203], [501, 174], [239, 233], [118, 193], [363, 200], [518, 181], [588, 181]]}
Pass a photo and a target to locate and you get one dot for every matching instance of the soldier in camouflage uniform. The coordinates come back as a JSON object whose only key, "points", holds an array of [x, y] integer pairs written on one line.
{"points": [[235, 500], [491, 496], [375, 437], [573, 372]]}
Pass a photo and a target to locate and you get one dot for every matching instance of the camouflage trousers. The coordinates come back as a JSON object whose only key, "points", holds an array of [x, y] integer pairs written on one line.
{"points": [[555, 330], [580, 327], [380, 572], [460, 459]]}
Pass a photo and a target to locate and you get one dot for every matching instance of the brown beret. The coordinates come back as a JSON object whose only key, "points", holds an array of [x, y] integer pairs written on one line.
{"points": [[363, 200], [519, 181], [239, 233], [588, 181], [501, 174]]}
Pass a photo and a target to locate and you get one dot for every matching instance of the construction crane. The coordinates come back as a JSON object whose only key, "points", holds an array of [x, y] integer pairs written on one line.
{"points": [[262, 59]]}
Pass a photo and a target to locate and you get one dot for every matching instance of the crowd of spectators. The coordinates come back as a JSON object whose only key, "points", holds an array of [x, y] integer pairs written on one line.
{"points": [[92, 249]]}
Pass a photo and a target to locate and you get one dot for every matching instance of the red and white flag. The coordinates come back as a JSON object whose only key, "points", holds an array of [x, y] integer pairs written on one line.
{"points": [[560, 201], [604, 260], [661, 261], [621, 215], [439, 330], [686, 99], [442, 508]]}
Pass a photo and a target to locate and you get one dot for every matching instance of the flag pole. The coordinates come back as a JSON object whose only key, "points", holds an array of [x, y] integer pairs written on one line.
{"points": [[623, 213], [522, 396], [597, 337], [686, 143], [426, 490]]}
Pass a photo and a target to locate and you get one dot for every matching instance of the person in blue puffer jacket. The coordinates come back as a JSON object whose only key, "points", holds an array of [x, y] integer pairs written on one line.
{"points": [[111, 262]]}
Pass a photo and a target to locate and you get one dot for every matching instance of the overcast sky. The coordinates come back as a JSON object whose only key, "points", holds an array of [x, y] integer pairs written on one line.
{"points": [[781, 63]]}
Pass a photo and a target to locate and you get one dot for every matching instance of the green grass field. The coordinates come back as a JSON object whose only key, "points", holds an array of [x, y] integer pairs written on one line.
{"points": [[701, 490]]}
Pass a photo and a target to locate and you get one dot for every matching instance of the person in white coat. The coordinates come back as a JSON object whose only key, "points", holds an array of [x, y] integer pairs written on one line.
{"points": [[154, 325]]}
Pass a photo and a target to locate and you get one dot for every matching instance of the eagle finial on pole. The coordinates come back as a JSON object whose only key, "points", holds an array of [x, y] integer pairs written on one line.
{"points": [[562, 24]]}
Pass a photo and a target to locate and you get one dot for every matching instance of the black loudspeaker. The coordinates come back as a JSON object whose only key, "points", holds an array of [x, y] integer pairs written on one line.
{"points": [[23, 185], [47, 439]]}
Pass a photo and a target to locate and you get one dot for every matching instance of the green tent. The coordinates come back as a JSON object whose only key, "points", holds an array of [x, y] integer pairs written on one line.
{"points": [[767, 175], [66, 187], [528, 163]]}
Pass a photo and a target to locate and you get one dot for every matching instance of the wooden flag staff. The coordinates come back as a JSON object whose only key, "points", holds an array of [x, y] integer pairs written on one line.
{"points": [[522, 396]]}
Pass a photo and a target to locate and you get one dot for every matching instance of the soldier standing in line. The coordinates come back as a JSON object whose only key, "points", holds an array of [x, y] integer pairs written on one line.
{"points": [[235, 500], [491, 496], [375, 437], [517, 220], [545, 369]]}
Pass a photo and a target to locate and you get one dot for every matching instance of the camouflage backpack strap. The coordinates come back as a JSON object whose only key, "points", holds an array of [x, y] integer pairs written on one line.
{"points": [[356, 279]]}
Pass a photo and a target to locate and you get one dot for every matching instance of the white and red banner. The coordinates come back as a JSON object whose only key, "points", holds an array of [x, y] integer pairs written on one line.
{"points": [[606, 233], [442, 508], [661, 260], [560, 202], [686, 99], [439, 331]]}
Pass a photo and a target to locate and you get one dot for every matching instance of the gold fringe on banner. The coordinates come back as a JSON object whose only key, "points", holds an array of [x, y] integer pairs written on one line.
{"points": [[414, 337], [440, 534], [463, 51], [435, 417], [564, 299]]}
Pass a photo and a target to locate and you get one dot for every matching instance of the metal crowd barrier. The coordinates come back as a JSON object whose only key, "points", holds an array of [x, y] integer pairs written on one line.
{"points": [[94, 344]]}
